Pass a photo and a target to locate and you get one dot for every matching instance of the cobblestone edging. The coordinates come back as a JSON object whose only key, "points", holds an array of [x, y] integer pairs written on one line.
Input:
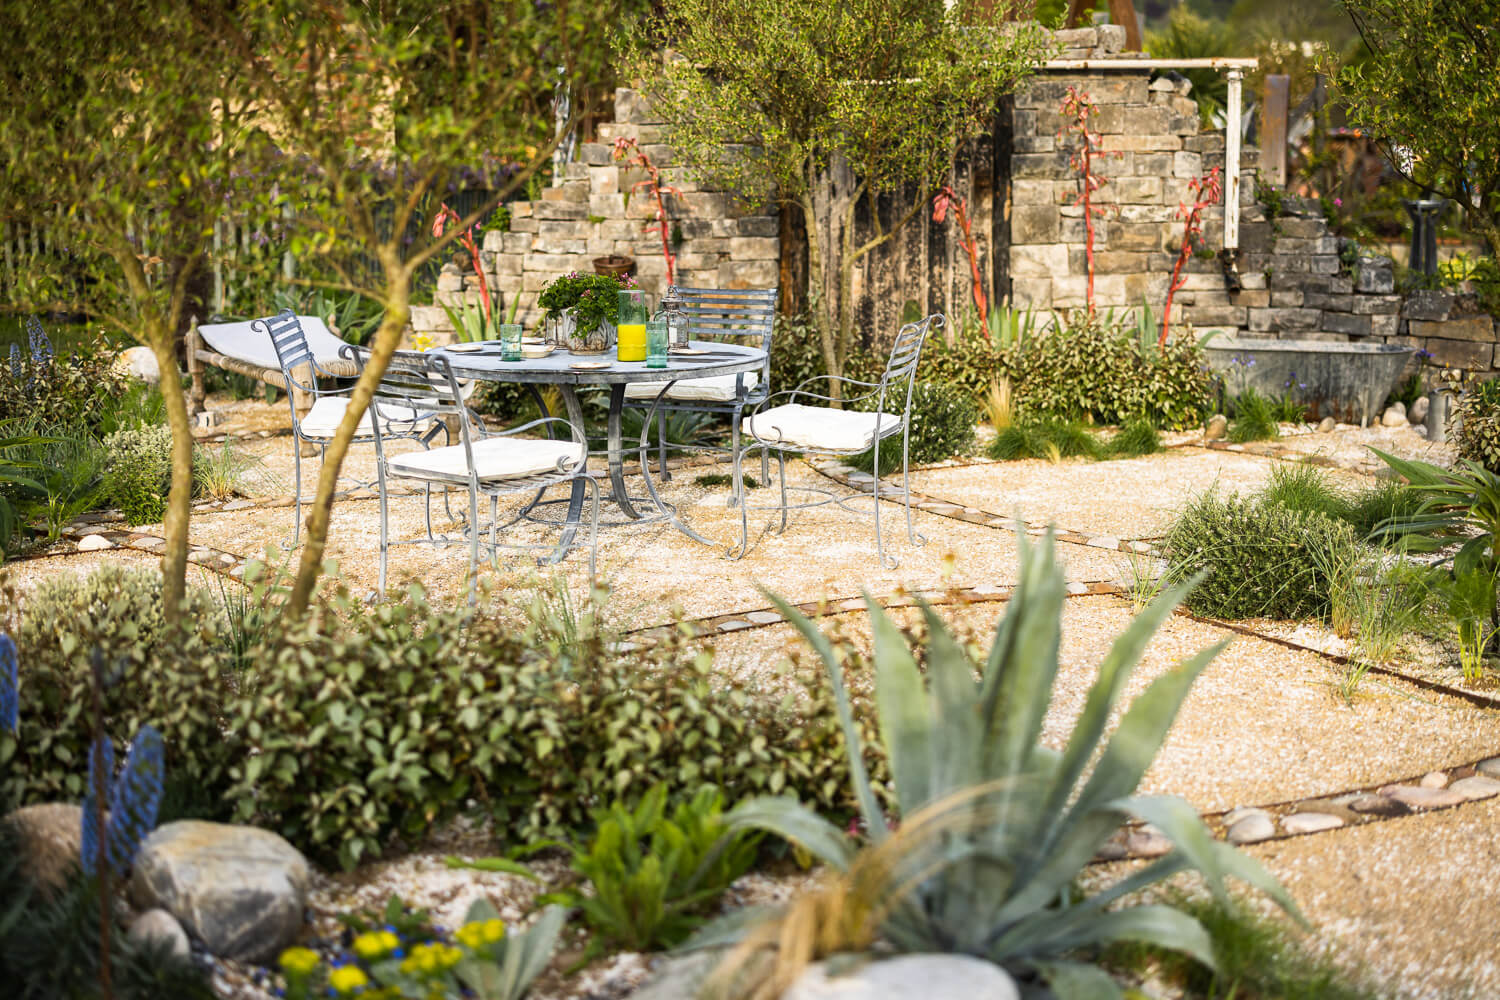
{"points": [[863, 482]]}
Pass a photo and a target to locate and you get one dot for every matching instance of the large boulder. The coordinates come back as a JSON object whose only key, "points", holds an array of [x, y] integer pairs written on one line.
{"points": [[239, 890], [906, 977], [49, 838], [140, 363]]}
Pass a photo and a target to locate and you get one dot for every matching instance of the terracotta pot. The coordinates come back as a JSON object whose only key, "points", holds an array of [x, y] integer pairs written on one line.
{"points": [[614, 265]]}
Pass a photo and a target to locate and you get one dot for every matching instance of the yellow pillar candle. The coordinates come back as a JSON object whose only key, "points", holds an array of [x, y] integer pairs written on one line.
{"points": [[632, 342]]}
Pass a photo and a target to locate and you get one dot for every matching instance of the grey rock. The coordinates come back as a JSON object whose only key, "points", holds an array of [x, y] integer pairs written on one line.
{"points": [[1476, 787], [906, 977], [1418, 412], [1394, 416], [1378, 805], [1111, 38], [1147, 843], [1252, 829], [1310, 822], [155, 926], [1326, 425], [1422, 798], [1434, 779], [49, 837], [1218, 427], [94, 543], [1490, 767], [239, 890], [1233, 816]]}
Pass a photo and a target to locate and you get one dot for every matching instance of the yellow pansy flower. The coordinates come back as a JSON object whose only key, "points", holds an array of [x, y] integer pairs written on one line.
{"points": [[372, 945], [347, 978], [299, 961]]}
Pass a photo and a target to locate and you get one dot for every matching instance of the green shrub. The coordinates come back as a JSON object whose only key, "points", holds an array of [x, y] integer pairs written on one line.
{"points": [[654, 873], [1137, 437], [1045, 438], [389, 722], [167, 677], [942, 426], [1476, 424], [83, 388], [1087, 372], [1306, 489], [138, 472], [797, 355], [1255, 418], [1260, 559]]}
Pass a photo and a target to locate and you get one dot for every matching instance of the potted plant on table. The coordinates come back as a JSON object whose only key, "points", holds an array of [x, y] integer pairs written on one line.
{"points": [[581, 310]]}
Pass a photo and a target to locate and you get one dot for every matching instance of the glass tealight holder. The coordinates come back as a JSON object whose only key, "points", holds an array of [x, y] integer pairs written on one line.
{"points": [[658, 342], [510, 341], [630, 329]]}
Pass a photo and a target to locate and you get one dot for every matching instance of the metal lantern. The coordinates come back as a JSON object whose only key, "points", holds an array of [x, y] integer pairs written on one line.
{"points": [[677, 320]]}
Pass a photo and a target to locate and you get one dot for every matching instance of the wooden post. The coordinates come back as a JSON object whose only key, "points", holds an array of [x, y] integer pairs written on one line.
{"points": [[196, 388], [1273, 127]]}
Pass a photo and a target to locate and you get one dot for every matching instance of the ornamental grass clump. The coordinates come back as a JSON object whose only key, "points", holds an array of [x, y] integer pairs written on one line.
{"points": [[994, 828]]}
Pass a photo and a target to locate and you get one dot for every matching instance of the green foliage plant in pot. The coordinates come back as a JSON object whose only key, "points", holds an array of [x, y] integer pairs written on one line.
{"points": [[581, 310], [994, 828]]}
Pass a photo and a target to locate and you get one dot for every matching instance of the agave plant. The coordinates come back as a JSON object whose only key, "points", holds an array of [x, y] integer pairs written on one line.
{"points": [[994, 828]]}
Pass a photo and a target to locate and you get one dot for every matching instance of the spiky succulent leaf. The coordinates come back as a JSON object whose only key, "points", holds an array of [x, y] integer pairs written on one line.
{"points": [[101, 774], [906, 726], [874, 817], [794, 822], [10, 685], [135, 798], [1077, 981]]}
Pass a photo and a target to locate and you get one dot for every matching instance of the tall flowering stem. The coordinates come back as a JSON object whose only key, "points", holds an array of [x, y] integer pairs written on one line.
{"points": [[1204, 191], [941, 202], [1076, 110], [445, 216], [629, 151]]}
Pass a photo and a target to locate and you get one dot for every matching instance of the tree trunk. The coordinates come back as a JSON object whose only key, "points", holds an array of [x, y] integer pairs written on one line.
{"points": [[817, 299], [397, 311], [180, 497]]}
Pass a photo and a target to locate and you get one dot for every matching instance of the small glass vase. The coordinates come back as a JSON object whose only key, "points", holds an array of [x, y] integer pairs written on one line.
{"points": [[658, 343]]}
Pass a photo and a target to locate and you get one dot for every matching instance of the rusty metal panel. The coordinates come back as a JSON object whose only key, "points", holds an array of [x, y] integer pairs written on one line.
{"points": [[1274, 106]]}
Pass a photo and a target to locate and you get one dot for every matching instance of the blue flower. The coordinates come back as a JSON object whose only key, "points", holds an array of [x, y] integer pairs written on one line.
{"points": [[10, 685]]}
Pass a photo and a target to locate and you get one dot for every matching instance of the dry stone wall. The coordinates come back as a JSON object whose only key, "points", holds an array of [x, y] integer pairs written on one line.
{"points": [[720, 241], [1297, 280]]}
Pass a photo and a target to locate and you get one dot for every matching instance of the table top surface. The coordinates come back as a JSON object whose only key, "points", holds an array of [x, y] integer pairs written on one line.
{"points": [[557, 367]]}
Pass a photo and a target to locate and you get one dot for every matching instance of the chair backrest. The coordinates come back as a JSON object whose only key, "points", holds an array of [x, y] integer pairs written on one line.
{"points": [[741, 313], [900, 373], [285, 331], [415, 385]]}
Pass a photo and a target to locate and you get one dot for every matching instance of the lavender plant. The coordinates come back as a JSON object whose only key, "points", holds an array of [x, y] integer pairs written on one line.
{"points": [[10, 687]]}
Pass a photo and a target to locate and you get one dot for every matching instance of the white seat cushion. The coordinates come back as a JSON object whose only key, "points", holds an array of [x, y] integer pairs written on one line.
{"points": [[713, 389], [327, 412], [796, 425], [494, 458]]}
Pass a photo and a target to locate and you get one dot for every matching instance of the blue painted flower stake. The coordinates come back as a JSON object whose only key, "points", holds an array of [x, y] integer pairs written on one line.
{"points": [[10, 686]]}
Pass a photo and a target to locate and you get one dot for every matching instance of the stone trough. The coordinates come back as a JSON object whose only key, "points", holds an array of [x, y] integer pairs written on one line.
{"points": [[1348, 382]]}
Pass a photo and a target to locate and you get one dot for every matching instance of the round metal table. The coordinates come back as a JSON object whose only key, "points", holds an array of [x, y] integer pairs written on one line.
{"points": [[557, 369]]}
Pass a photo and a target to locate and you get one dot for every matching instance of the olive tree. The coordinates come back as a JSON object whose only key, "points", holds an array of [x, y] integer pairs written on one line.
{"points": [[829, 106], [119, 133], [379, 107], [1430, 96]]}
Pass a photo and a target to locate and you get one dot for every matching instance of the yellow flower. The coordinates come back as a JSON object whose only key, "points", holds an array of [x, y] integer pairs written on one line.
{"points": [[347, 978], [372, 945], [479, 933], [431, 959], [299, 961]]}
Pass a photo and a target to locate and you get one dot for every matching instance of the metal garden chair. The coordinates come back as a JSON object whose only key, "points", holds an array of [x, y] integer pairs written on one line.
{"points": [[795, 426], [317, 427], [482, 463], [743, 315]]}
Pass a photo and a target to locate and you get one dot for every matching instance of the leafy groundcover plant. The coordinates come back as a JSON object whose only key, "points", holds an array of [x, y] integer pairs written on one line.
{"points": [[994, 828]]}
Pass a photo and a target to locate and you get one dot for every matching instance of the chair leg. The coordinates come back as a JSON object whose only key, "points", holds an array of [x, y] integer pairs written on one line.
{"points": [[738, 496], [911, 532], [495, 531], [473, 547], [593, 529], [661, 445], [385, 532], [765, 460], [297, 494], [781, 476], [889, 562]]}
